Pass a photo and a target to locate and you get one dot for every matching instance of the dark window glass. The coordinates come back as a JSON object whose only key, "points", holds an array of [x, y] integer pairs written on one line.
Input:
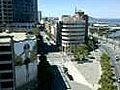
{"points": [[5, 48], [73, 27], [7, 84], [6, 67], [6, 76], [5, 57], [72, 39], [72, 31]]}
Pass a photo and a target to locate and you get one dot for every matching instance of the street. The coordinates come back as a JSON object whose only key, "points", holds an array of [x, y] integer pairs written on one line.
{"points": [[109, 46], [109, 50], [82, 74]]}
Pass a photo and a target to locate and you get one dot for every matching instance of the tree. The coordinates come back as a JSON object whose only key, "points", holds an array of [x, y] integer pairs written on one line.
{"points": [[35, 30], [33, 56], [80, 52], [18, 60], [106, 80]]}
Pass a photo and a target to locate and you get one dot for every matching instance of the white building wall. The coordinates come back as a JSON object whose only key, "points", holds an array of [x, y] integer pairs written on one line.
{"points": [[73, 35], [53, 30], [20, 72]]}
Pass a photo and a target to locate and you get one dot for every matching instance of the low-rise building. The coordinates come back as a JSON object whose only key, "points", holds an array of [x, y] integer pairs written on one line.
{"points": [[99, 28], [51, 27], [114, 33]]}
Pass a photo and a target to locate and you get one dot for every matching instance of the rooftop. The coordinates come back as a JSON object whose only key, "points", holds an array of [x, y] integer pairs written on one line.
{"points": [[16, 36]]}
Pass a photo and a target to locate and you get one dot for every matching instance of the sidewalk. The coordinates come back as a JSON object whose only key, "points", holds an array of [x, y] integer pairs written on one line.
{"points": [[87, 74], [29, 86], [78, 77]]}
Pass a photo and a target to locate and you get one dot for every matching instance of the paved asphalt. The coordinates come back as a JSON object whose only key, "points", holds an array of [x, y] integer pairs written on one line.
{"points": [[105, 48], [113, 61]]}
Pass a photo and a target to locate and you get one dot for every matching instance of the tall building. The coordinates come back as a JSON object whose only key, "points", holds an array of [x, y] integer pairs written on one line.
{"points": [[74, 30], [39, 16], [7, 65], [18, 12]]}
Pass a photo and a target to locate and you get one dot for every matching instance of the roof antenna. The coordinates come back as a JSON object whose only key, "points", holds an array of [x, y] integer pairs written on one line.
{"points": [[75, 9]]}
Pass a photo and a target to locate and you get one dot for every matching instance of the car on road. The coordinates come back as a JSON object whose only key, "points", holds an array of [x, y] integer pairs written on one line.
{"points": [[117, 58], [118, 80], [112, 66]]}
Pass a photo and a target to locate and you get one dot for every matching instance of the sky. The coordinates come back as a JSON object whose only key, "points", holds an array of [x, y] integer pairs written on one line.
{"points": [[94, 8]]}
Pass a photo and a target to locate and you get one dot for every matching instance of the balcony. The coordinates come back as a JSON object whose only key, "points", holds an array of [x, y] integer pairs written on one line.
{"points": [[73, 30], [73, 38], [7, 89], [5, 62], [6, 80], [6, 71], [73, 34]]}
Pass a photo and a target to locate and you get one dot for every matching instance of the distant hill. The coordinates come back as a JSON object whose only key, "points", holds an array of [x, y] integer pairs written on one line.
{"points": [[92, 20], [104, 20], [110, 21]]}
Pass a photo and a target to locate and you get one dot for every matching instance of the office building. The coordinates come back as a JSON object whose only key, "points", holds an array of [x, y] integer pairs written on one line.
{"points": [[51, 27], [7, 67], [39, 16], [18, 13], [99, 28], [74, 30]]}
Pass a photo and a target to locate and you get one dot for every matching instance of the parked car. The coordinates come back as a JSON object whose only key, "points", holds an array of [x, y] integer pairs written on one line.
{"points": [[112, 66], [90, 61], [91, 57], [117, 58], [70, 77], [118, 80]]}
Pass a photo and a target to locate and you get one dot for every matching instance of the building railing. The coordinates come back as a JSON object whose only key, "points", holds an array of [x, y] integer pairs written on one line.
{"points": [[64, 78]]}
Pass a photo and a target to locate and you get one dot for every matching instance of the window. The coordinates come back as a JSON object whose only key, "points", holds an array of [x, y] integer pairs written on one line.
{"points": [[6, 75], [6, 84], [6, 67]]}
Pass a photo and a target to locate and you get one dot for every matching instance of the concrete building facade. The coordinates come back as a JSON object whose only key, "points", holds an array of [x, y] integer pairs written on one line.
{"points": [[39, 16], [7, 64], [51, 27], [74, 30]]}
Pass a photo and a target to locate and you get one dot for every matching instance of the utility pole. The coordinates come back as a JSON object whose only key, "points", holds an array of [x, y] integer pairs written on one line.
{"points": [[27, 60]]}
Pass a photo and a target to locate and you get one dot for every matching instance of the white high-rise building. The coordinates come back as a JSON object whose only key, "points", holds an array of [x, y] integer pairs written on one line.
{"points": [[73, 31]]}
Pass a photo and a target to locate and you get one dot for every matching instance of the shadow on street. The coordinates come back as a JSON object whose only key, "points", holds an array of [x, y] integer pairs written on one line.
{"points": [[58, 82], [49, 76]]}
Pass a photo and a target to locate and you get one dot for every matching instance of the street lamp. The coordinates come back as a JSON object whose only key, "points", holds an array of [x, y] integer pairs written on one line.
{"points": [[92, 42], [27, 59], [119, 43], [114, 44]]}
